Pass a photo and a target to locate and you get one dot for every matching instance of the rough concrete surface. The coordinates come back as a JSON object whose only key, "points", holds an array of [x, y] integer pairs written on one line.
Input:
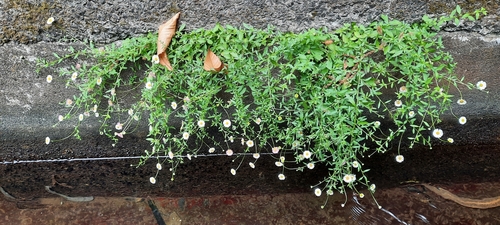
{"points": [[108, 21], [29, 105]]}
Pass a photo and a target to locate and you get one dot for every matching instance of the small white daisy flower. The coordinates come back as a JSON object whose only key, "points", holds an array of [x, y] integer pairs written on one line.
{"points": [[229, 152], [152, 180], [462, 120], [251, 164], [69, 102], [398, 103], [80, 117], [256, 155], [281, 176], [437, 133], [275, 150], [149, 85], [118, 126], [170, 154], [349, 178], [250, 143], [113, 91], [329, 192], [411, 114], [50, 20], [173, 105], [307, 154], [481, 85], [120, 134], [450, 140], [403, 89], [226, 123], [47, 140], [155, 59], [94, 109], [211, 150], [257, 121], [185, 135], [461, 101], [361, 195], [87, 114], [96, 114], [49, 78], [278, 164], [158, 166], [376, 123], [130, 112], [233, 171], [310, 166], [355, 164], [60, 118], [201, 123], [317, 192], [74, 76], [372, 187], [400, 158], [99, 81]]}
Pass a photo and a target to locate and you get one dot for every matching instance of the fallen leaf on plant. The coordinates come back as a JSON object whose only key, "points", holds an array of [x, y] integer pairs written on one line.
{"points": [[379, 30], [328, 42], [166, 32], [212, 62]]}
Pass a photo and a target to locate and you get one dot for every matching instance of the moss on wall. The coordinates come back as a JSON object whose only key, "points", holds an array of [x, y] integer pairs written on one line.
{"points": [[29, 20]]}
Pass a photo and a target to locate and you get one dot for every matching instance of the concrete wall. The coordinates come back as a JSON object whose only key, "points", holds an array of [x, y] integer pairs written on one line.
{"points": [[29, 105], [107, 21]]}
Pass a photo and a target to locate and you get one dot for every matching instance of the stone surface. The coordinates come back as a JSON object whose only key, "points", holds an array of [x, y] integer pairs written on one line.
{"points": [[29, 105], [108, 21]]}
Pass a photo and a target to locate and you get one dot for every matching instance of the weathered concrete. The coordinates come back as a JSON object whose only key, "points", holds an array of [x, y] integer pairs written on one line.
{"points": [[108, 21], [29, 105]]}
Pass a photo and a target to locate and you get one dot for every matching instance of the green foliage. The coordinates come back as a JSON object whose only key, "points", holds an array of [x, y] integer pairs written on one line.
{"points": [[314, 95]]}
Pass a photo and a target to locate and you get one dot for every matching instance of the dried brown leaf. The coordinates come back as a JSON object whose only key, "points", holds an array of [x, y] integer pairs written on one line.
{"points": [[328, 42], [166, 32], [212, 62]]}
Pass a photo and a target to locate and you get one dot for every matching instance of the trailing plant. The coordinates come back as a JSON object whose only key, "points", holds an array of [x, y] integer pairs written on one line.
{"points": [[315, 97]]}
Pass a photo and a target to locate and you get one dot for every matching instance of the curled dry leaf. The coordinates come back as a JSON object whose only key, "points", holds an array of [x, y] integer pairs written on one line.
{"points": [[328, 42], [212, 62], [379, 30], [166, 32]]}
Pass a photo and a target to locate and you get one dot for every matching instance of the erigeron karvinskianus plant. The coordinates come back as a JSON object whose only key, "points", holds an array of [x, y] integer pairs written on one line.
{"points": [[308, 98]]}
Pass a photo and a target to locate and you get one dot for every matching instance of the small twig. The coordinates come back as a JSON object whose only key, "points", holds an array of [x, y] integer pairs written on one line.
{"points": [[7, 195], [72, 199]]}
